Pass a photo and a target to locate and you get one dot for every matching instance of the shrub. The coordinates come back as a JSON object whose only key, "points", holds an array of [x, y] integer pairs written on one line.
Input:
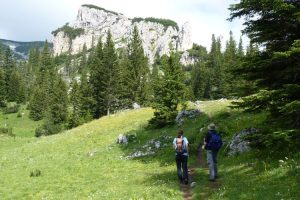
{"points": [[99, 8], [69, 31], [35, 173], [11, 109], [47, 129], [165, 22], [7, 131]]}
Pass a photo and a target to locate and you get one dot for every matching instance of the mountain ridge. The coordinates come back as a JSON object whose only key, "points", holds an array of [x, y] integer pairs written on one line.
{"points": [[159, 36]]}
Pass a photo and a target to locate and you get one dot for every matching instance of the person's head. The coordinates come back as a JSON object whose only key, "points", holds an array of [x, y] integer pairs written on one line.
{"points": [[180, 133], [211, 127]]}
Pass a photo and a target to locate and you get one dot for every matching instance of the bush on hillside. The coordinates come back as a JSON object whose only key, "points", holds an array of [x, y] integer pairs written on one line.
{"points": [[6, 131], [281, 141], [47, 129], [11, 109]]}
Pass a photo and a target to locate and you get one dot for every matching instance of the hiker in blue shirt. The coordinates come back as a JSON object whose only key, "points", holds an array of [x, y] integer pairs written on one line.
{"points": [[212, 143], [181, 144]]}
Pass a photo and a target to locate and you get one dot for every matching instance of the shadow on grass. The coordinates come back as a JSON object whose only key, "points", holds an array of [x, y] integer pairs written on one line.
{"points": [[246, 177]]}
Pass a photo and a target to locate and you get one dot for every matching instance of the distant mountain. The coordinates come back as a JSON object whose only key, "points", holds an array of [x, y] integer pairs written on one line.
{"points": [[159, 36], [21, 49]]}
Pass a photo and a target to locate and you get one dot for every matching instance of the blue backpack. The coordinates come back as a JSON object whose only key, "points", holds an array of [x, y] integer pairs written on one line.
{"points": [[215, 142]]}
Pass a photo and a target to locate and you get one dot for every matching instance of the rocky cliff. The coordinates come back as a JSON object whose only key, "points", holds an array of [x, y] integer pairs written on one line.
{"points": [[93, 22]]}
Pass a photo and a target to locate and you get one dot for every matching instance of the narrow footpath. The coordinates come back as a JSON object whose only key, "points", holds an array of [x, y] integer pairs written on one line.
{"points": [[187, 189]]}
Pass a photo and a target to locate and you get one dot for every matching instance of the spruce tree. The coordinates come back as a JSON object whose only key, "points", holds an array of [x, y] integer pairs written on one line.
{"points": [[59, 102], [87, 101], [231, 62], [83, 60], [214, 84], [139, 69], [95, 63], [16, 87], [2, 88], [168, 92], [110, 81], [274, 68], [39, 103]]}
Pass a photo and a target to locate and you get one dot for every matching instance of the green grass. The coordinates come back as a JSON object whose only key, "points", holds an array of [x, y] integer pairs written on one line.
{"points": [[21, 126], [86, 162], [254, 175]]}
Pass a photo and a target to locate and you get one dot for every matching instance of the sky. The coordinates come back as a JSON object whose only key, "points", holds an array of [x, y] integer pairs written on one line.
{"points": [[34, 20]]}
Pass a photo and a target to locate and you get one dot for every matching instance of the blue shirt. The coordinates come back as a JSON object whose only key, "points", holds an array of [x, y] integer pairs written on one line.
{"points": [[184, 145]]}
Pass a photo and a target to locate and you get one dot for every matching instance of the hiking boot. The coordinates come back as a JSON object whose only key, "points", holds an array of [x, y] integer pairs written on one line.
{"points": [[212, 180]]}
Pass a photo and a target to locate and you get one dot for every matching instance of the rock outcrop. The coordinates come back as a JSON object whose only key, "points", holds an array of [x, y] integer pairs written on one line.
{"points": [[94, 22], [238, 145]]}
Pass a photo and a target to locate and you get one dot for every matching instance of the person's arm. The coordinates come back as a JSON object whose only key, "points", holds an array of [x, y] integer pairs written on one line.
{"points": [[187, 144], [174, 143]]}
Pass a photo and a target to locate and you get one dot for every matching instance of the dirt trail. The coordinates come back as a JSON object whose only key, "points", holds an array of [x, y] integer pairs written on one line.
{"points": [[186, 189]]}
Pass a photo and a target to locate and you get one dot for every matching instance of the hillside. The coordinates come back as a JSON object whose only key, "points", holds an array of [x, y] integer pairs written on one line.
{"points": [[21, 49], [86, 162]]}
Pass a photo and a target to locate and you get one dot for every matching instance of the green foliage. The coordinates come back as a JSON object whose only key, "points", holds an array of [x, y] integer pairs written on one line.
{"points": [[95, 63], [99, 8], [70, 32], [5, 130], [282, 140], [2, 88], [59, 102], [198, 51], [48, 128], [168, 92], [11, 109], [165, 22], [137, 70], [16, 88], [35, 173]]}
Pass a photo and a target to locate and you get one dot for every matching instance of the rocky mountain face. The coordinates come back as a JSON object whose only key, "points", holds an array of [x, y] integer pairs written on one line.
{"points": [[94, 22]]}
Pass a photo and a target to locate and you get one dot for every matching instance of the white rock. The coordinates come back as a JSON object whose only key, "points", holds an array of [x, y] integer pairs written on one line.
{"points": [[97, 22], [136, 106]]}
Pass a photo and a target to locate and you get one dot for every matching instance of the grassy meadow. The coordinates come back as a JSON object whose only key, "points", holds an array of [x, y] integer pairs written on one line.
{"points": [[86, 162]]}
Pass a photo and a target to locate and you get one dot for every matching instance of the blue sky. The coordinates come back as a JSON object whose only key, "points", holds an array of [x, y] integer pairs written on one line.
{"points": [[30, 20]]}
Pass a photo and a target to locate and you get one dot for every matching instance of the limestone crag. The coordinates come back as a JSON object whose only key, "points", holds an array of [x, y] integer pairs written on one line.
{"points": [[156, 38]]}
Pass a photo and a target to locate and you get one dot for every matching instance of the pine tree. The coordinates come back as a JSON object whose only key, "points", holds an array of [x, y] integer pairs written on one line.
{"points": [[87, 101], [16, 87], [59, 102], [275, 68], [8, 66], [83, 60], [2, 88], [139, 69], [110, 94], [231, 62], [46, 59], [214, 84], [95, 63], [42, 93], [168, 92], [37, 104], [199, 73]]}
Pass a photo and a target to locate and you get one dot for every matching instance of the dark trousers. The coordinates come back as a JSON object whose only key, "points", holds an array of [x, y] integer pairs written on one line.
{"points": [[182, 170]]}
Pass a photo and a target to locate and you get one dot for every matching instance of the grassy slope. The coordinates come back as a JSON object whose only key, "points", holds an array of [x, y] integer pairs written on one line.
{"points": [[253, 175], [21, 126], [85, 163]]}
